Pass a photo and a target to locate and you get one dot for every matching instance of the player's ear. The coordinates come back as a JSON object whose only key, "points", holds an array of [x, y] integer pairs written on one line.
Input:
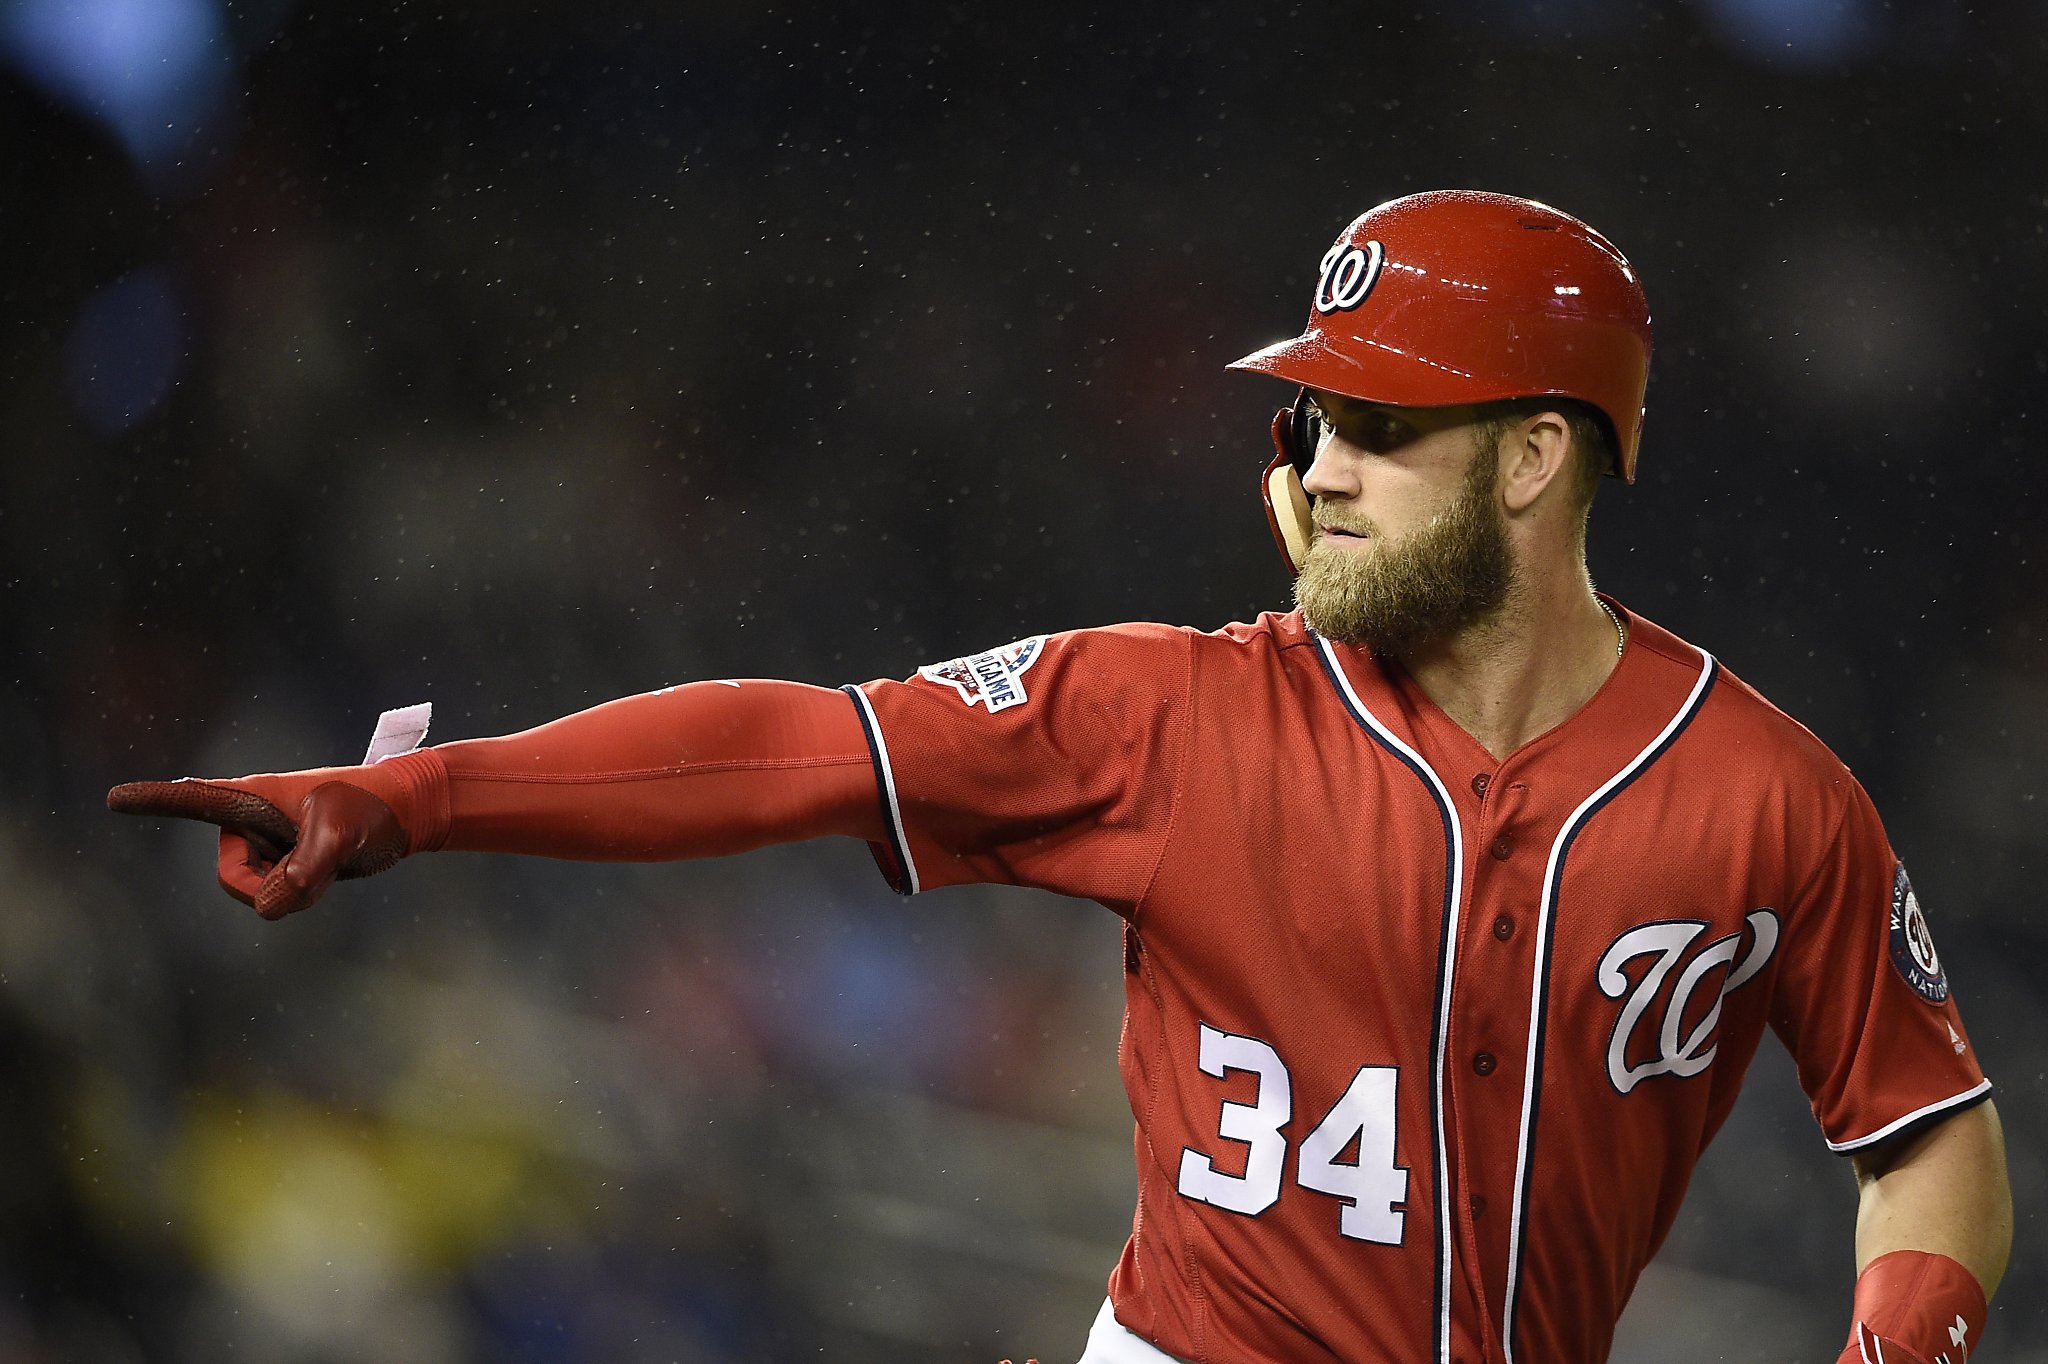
{"points": [[1535, 454]]}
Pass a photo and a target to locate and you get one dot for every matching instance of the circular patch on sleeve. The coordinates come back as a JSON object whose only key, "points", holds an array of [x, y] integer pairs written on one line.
{"points": [[1913, 954]]}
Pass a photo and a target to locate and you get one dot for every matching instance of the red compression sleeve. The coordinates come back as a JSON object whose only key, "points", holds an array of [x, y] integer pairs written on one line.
{"points": [[695, 771], [1928, 1303]]}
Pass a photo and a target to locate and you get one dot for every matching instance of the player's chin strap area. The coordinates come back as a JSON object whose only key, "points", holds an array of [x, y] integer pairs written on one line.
{"points": [[1287, 502]]}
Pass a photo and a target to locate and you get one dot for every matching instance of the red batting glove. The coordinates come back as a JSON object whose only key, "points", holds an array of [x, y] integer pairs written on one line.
{"points": [[285, 837]]}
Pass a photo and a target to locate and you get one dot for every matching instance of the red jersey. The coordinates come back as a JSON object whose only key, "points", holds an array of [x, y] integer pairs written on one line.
{"points": [[1422, 1047]]}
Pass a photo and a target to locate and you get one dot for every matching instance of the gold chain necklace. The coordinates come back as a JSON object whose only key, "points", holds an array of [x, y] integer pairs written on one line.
{"points": [[1620, 630]]}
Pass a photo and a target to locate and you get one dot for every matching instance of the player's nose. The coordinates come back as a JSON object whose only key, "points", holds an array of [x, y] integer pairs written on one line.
{"points": [[1333, 472]]}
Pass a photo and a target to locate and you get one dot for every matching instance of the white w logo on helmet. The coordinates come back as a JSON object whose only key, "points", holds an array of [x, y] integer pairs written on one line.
{"points": [[1349, 272]]}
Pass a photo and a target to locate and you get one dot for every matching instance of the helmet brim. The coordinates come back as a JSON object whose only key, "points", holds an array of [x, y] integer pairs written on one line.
{"points": [[1383, 374]]}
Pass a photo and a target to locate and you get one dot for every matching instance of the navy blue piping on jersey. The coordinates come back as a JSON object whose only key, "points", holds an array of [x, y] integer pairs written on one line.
{"points": [[1641, 764], [1440, 1028], [1919, 1120], [904, 879]]}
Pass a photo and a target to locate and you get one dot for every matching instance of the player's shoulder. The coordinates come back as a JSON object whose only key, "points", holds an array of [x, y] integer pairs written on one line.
{"points": [[1739, 723], [1110, 652], [1273, 648], [1234, 660], [1122, 654], [1140, 642], [1268, 633]]}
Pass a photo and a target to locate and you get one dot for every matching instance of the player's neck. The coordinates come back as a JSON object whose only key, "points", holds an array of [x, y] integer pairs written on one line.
{"points": [[1528, 669]]}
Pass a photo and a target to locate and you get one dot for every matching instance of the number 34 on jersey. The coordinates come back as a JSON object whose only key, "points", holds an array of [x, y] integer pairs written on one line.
{"points": [[1370, 1188]]}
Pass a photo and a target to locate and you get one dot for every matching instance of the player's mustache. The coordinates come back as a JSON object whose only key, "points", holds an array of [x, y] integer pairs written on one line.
{"points": [[1326, 522]]}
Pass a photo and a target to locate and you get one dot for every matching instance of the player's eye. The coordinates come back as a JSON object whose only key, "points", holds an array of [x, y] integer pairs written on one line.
{"points": [[1372, 429], [1309, 430], [1381, 432]]}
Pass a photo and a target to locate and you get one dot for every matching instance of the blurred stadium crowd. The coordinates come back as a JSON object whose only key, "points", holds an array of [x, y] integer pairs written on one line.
{"points": [[522, 357]]}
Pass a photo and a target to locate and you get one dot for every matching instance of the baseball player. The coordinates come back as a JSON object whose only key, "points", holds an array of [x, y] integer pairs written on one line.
{"points": [[1455, 901]]}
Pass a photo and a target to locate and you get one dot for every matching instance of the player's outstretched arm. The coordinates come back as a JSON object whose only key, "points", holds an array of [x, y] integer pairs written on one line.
{"points": [[1933, 1229], [695, 771]]}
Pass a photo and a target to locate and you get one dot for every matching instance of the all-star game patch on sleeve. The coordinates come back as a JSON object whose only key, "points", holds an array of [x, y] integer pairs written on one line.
{"points": [[1051, 762], [1864, 1002]]}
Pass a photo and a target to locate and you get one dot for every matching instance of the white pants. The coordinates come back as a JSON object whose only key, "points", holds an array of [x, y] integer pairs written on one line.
{"points": [[1110, 1343]]}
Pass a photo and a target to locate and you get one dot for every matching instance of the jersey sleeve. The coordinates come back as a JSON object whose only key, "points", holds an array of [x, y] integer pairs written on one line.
{"points": [[1863, 1002], [1053, 762]]}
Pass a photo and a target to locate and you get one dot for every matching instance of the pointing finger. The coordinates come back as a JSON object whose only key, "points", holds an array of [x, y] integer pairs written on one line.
{"points": [[213, 802]]}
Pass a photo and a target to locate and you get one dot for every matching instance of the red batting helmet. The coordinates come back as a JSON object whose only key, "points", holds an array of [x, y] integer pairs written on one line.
{"points": [[1454, 297]]}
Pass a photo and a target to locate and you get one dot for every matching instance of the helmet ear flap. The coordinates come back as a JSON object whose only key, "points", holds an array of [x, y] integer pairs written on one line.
{"points": [[1287, 502]]}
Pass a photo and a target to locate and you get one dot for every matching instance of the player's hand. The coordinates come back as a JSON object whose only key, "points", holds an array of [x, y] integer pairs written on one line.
{"points": [[284, 837], [1868, 1347]]}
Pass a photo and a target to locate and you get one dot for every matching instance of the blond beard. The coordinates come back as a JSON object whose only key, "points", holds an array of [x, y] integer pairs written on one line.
{"points": [[1453, 572]]}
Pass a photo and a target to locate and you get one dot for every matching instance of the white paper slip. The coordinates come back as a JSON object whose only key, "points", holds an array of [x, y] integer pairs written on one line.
{"points": [[399, 732]]}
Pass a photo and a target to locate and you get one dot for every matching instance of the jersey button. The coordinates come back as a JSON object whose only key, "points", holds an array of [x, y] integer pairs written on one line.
{"points": [[1502, 846], [1479, 1205], [1503, 928], [1480, 783], [1483, 1063]]}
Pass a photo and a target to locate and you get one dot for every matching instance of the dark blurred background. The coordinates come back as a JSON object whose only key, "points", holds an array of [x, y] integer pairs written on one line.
{"points": [[519, 357]]}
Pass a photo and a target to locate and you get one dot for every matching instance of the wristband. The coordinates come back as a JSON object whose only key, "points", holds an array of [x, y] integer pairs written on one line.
{"points": [[1926, 1303]]}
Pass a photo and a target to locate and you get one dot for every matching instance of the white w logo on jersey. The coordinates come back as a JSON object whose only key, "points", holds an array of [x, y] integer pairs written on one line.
{"points": [[1668, 942]]}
